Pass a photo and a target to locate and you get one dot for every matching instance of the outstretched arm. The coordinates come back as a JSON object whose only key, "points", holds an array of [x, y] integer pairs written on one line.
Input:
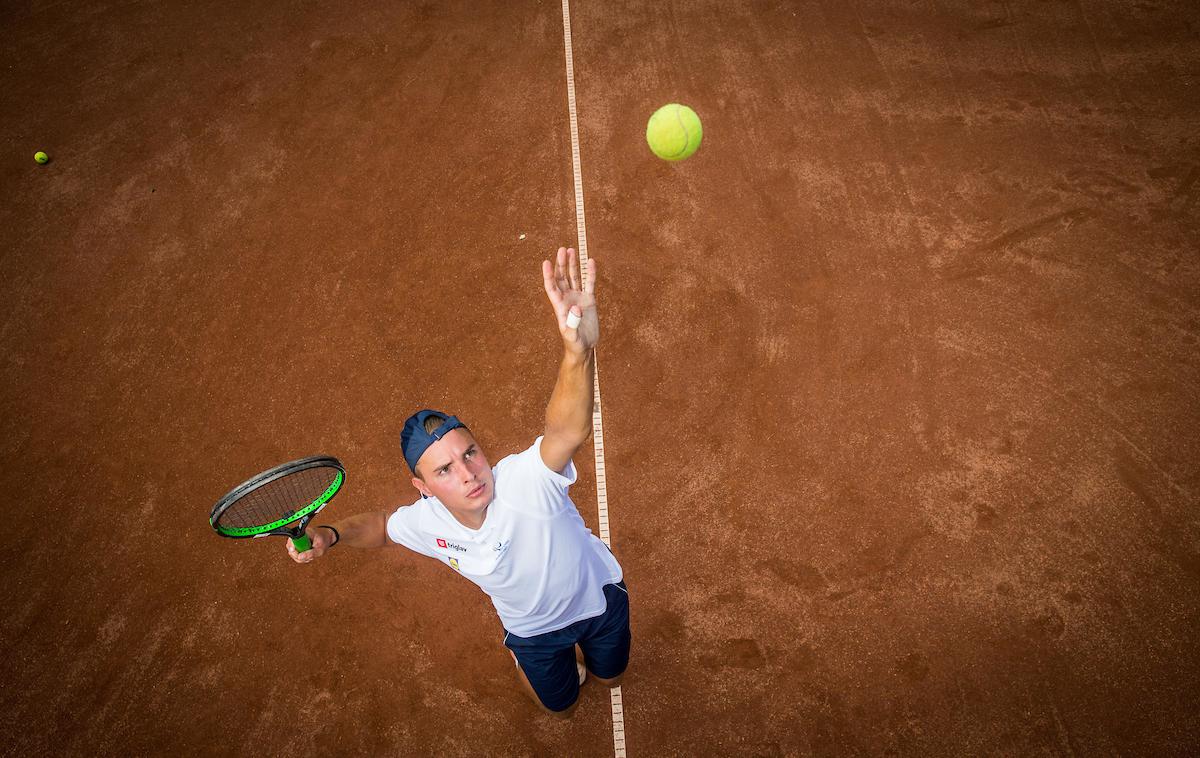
{"points": [[569, 413], [362, 530]]}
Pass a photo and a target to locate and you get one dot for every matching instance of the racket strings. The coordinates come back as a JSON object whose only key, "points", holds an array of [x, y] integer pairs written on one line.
{"points": [[279, 498]]}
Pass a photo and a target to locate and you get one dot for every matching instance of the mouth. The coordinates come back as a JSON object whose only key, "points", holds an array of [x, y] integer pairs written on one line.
{"points": [[477, 491]]}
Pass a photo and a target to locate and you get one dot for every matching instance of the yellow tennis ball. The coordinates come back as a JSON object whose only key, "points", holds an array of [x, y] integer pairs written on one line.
{"points": [[41, 157], [674, 132]]}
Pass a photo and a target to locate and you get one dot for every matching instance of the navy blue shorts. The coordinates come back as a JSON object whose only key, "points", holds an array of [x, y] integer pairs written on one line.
{"points": [[548, 660]]}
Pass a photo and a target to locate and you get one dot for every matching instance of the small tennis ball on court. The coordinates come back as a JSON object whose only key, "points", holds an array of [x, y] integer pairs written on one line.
{"points": [[674, 132], [41, 157]]}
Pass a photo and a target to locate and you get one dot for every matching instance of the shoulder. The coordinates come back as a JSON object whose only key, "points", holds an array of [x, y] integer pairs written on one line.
{"points": [[415, 526], [528, 486], [528, 464], [414, 516]]}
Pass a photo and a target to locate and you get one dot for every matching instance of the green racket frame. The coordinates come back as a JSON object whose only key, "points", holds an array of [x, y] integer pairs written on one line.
{"points": [[288, 524]]}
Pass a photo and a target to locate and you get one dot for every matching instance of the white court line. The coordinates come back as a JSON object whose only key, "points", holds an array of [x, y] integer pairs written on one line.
{"points": [[618, 710]]}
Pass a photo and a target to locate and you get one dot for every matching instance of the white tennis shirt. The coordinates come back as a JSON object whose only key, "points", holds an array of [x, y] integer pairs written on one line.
{"points": [[533, 556]]}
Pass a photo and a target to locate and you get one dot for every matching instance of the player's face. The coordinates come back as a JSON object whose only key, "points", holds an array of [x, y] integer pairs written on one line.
{"points": [[455, 471]]}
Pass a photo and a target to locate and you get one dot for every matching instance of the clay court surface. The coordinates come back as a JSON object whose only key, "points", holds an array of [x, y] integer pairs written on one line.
{"points": [[900, 373]]}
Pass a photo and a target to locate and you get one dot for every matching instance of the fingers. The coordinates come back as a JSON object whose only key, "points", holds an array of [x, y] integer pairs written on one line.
{"points": [[565, 271], [573, 268], [552, 290], [567, 292], [560, 268], [308, 556]]}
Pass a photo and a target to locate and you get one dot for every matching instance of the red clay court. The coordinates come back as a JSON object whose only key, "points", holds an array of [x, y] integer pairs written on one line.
{"points": [[900, 373]]}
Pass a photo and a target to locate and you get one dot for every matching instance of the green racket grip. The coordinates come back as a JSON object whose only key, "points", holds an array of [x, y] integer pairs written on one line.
{"points": [[302, 543]]}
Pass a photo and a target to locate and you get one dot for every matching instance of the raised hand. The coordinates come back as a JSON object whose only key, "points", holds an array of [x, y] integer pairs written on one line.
{"points": [[567, 296]]}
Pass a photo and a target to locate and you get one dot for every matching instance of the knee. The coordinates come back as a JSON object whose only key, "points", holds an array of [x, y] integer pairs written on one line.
{"points": [[565, 713], [613, 681]]}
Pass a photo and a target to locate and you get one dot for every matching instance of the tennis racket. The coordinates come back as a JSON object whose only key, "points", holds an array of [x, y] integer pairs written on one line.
{"points": [[280, 501]]}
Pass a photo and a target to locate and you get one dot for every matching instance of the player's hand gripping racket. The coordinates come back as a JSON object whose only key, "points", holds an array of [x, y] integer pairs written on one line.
{"points": [[280, 501]]}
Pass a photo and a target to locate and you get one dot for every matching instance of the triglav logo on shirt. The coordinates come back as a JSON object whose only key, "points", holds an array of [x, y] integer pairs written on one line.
{"points": [[450, 545]]}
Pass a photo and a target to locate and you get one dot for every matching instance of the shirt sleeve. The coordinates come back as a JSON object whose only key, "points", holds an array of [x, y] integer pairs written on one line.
{"points": [[403, 528], [529, 485]]}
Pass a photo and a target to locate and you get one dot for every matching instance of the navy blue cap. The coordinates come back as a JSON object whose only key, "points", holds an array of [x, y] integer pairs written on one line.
{"points": [[414, 440]]}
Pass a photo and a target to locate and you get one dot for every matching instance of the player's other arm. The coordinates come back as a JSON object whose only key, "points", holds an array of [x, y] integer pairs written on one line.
{"points": [[362, 530], [569, 412]]}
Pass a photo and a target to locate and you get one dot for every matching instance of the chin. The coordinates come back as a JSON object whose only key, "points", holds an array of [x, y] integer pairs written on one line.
{"points": [[471, 506]]}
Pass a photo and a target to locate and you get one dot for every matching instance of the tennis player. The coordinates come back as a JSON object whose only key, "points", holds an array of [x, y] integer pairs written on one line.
{"points": [[511, 528]]}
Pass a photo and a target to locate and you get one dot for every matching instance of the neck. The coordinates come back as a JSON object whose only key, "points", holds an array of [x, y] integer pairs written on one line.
{"points": [[471, 521]]}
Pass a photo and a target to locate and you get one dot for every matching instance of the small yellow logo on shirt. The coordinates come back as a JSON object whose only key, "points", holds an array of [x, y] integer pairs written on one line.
{"points": [[454, 564]]}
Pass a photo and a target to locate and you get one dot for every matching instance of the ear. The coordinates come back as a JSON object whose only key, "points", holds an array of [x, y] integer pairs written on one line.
{"points": [[420, 485]]}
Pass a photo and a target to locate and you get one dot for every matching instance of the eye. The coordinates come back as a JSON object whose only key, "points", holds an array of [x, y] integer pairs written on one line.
{"points": [[469, 454]]}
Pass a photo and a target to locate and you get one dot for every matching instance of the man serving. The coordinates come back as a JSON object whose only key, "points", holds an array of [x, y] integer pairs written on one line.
{"points": [[511, 528]]}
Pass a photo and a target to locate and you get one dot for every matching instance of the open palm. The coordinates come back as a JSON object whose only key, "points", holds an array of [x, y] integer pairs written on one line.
{"points": [[567, 293]]}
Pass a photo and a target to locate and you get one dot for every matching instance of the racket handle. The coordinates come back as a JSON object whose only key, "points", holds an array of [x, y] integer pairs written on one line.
{"points": [[301, 543]]}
